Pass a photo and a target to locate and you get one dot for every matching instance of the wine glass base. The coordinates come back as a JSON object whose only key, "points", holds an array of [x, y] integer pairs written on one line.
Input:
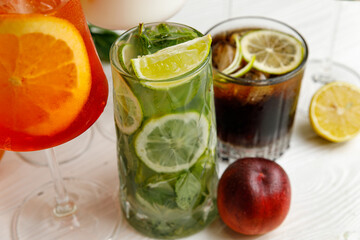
{"points": [[97, 216], [64, 153], [314, 79]]}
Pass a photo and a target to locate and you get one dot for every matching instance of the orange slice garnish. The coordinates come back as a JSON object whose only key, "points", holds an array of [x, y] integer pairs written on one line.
{"points": [[45, 76]]}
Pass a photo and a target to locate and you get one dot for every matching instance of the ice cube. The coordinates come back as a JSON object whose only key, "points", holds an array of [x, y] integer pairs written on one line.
{"points": [[254, 74], [259, 93], [223, 55]]}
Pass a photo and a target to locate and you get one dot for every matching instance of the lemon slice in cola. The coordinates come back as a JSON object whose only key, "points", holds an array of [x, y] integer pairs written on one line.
{"points": [[275, 52]]}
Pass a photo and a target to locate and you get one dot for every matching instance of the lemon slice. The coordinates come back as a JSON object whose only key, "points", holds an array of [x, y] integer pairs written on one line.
{"points": [[172, 62], [276, 52], [335, 111], [245, 69], [127, 109], [237, 59], [173, 142]]}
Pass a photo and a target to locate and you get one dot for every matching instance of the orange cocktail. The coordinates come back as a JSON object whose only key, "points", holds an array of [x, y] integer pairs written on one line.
{"points": [[52, 88], [44, 114]]}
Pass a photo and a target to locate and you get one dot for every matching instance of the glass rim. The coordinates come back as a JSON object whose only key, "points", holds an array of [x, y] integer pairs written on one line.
{"points": [[272, 80], [114, 61]]}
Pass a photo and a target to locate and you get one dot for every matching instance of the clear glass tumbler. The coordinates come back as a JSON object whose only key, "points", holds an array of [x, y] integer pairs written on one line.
{"points": [[166, 140], [255, 115]]}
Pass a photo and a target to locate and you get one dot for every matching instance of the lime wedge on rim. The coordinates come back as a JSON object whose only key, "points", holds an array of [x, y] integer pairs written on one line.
{"points": [[172, 62], [127, 109], [173, 142], [276, 52]]}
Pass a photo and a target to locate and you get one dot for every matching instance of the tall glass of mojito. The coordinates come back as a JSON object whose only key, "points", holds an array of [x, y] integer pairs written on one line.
{"points": [[166, 135]]}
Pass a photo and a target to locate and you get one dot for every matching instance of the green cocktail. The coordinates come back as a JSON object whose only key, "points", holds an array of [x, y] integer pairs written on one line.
{"points": [[166, 136]]}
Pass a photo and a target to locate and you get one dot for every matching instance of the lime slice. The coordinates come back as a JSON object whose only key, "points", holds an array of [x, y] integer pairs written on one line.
{"points": [[126, 52], [335, 111], [245, 69], [173, 142], [172, 62], [237, 59], [127, 110], [276, 52]]}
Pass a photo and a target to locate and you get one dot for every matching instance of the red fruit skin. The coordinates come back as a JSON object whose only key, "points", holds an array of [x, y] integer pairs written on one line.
{"points": [[254, 196]]}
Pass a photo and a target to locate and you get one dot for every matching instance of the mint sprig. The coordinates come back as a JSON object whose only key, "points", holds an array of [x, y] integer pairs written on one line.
{"points": [[149, 40]]}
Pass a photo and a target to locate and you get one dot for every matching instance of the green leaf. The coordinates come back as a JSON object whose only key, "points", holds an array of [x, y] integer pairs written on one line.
{"points": [[141, 41], [204, 167], [157, 189], [151, 39], [162, 196], [103, 40], [163, 28], [187, 190]]}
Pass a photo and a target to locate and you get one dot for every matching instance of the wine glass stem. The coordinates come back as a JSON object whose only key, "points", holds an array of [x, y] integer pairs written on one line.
{"points": [[64, 206], [229, 8], [325, 75]]}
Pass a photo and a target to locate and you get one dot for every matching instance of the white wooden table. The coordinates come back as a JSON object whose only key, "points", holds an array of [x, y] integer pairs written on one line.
{"points": [[324, 176]]}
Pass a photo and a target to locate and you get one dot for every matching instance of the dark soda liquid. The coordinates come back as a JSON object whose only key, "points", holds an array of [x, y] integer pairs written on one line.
{"points": [[252, 116]]}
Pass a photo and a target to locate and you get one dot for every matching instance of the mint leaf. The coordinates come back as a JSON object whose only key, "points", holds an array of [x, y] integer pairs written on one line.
{"points": [[141, 41], [157, 189], [187, 190], [205, 171], [149, 40], [163, 28], [161, 196], [204, 167]]}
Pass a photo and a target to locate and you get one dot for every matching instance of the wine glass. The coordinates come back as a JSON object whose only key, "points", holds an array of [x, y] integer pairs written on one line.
{"points": [[121, 15], [42, 106], [322, 71], [65, 152]]}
